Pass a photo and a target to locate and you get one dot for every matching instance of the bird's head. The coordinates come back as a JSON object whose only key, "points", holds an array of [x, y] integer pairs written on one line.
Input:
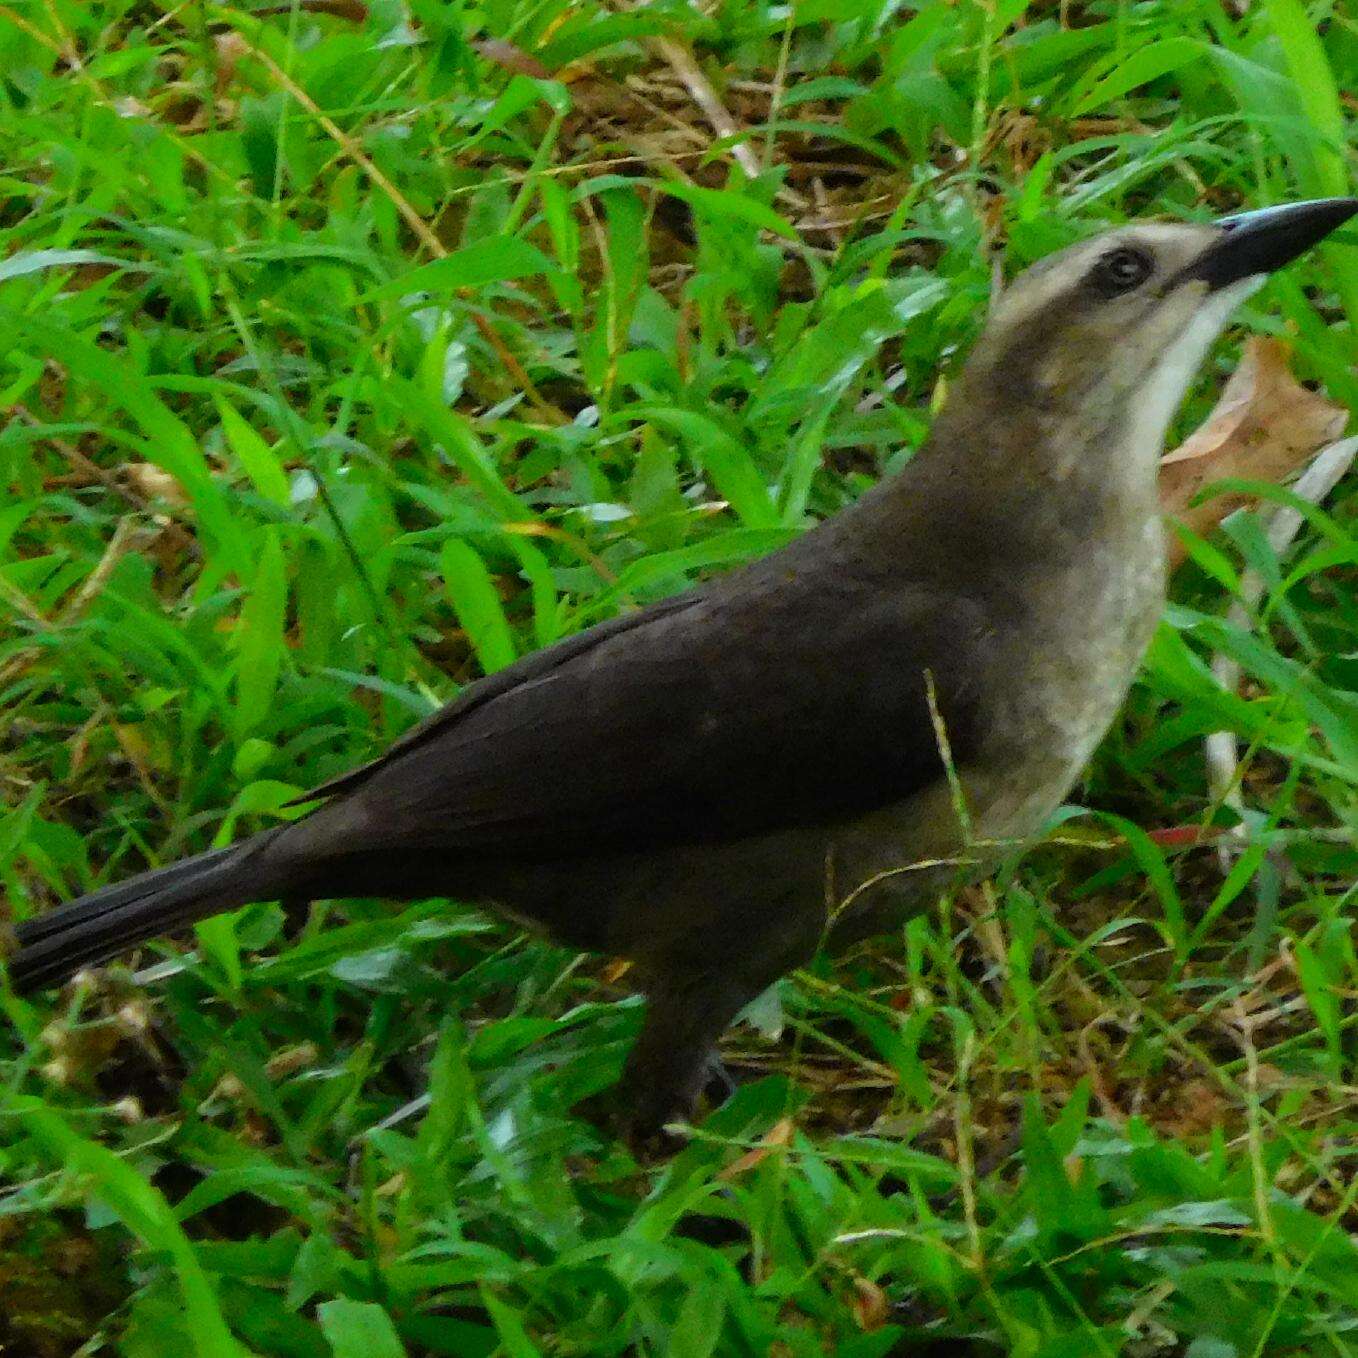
{"points": [[1109, 332]]}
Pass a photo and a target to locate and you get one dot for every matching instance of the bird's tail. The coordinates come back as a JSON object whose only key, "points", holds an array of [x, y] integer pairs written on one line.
{"points": [[94, 928]]}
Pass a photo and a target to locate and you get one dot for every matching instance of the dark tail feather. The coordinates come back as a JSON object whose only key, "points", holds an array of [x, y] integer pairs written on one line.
{"points": [[103, 924]]}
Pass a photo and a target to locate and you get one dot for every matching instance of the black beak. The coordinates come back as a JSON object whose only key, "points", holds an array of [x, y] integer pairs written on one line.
{"points": [[1259, 242]]}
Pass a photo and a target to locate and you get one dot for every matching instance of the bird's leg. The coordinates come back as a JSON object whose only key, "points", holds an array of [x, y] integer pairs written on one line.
{"points": [[687, 1010], [670, 1064]]}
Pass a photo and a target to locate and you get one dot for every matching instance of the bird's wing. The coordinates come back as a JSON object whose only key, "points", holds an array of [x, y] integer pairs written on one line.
{"points": [[720, 716], [524, 671]]}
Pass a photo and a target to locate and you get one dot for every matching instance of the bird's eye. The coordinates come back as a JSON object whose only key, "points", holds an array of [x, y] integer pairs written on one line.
{"points": [[1120, 271]]}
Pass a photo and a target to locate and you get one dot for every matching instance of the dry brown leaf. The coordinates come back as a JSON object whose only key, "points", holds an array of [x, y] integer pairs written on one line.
{"points": [[291, 1059], [153, 483], [870, 1306], [134, 745], [615, 970], [353, 10], [780, 1134], [1265, 426], [511, 58]]}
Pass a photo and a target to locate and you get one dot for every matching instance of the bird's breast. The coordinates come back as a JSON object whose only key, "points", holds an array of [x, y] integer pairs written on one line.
{"points": [[1061, 672]]}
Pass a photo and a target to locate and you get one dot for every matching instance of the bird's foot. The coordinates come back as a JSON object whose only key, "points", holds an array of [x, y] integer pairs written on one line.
{"points": [[618, 1115], [650, 1117]]}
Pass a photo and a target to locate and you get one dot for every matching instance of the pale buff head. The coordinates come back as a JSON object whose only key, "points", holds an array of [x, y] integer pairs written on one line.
{"points": [[1124, 319]]}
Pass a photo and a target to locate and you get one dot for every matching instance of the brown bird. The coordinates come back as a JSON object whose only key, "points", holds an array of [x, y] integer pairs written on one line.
{"points": [[716, 784]]}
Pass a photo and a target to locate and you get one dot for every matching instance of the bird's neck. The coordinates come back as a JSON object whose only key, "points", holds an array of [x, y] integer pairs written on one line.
{"points": [[1024, 479]]}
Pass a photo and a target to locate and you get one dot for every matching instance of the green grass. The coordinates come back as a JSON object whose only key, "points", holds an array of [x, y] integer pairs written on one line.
{"points": [[341, 367]]}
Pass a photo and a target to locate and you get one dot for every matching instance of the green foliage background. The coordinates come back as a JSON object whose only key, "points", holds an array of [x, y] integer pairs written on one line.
{"points": [[348, 353]]}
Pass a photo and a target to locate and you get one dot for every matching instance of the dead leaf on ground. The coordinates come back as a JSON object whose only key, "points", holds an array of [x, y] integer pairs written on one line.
{"points": [[1265, 426], [1192, 1109]]}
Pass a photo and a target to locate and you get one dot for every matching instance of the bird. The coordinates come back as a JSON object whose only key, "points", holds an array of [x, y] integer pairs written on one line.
{"points": [[807, 750]]}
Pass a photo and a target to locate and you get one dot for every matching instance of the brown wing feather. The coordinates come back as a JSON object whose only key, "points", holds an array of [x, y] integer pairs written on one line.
{"points": [[527, 670], [726, 714]]}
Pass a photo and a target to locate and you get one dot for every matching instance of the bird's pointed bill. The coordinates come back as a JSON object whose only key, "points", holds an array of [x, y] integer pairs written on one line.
{"points": [[1256, 243]]}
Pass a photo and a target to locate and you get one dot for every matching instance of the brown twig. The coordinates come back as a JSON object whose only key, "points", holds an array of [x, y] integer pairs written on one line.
{"points": [[685, 66], [95, 581]]}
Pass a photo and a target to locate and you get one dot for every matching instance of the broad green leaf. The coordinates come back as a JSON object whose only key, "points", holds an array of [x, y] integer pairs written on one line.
{"points": [[478, 606], [450, 1094], [259, 649], [538, 572], [1333, 710], [455, 435], [722, 549], [359, 1329], [1315, 86], [1140, 68], [698, 1326], [1152, 863], [1319, 985], [731, 468], [497, 260], [590, 29], [1298, 115], [514, 1337], [556, 208], [23, 262], [729, 203], [623, 278], [259, 460]]}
